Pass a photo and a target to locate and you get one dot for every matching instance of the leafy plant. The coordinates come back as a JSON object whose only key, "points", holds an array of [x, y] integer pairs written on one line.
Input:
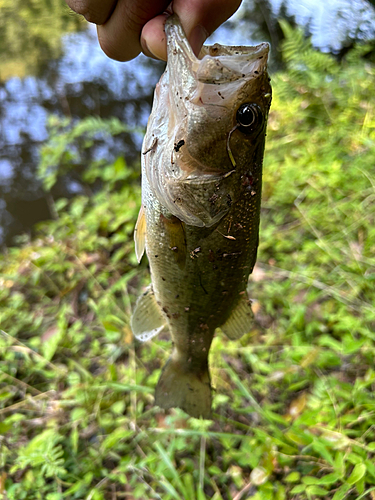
{"points": [[65, 151], [42, 451], [294, 407]]}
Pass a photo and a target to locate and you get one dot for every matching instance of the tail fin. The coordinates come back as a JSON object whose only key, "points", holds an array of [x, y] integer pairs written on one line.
{"points": [[184, 389]]}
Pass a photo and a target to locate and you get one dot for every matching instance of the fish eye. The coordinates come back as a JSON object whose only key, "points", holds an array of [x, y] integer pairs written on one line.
{"points": [[249, 117]]}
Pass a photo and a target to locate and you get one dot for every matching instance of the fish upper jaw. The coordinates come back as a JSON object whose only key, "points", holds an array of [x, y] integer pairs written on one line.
{"points": [[215, 76], [212, 79], [216, 64], [219, 64]]}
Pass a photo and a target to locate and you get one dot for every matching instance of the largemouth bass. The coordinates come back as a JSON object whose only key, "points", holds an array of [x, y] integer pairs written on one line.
{"points": [[199, 222]]}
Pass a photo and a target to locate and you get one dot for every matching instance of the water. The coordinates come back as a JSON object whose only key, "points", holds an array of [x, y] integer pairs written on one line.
{"points": [[52, 71], [82, 82]]}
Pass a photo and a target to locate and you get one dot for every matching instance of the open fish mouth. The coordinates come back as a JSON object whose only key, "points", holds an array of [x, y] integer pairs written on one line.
{"points": [[216, 64], [222, 64]]}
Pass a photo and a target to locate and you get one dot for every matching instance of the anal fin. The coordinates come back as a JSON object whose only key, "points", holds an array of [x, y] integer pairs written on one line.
{"points": [[147, 319], [240, 321], [140, 234]]}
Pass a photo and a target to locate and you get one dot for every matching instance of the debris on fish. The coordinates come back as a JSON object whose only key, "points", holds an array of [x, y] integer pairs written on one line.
{"points": [[201, 192]]}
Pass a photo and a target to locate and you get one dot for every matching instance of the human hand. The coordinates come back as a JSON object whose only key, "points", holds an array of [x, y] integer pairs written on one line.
{"points": [[127, 27]]}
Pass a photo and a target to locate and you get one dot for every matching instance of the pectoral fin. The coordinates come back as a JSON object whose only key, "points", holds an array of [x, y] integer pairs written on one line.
{"points": [[240, 321], [140, 234], [175, 232], [147, 319]]}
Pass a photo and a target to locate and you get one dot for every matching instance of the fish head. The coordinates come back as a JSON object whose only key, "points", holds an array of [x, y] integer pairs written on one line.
{"points": [[208, 121], [218, 103]]}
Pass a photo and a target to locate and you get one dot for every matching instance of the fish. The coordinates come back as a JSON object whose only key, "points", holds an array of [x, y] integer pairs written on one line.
{"points": [[202, 159]]}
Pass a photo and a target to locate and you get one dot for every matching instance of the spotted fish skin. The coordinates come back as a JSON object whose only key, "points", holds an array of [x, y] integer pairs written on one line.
{"points": [[201, 194]]}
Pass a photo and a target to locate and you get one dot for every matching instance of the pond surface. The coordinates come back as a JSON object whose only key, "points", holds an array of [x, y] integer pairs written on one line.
{"points": [[82, 82], [51, 63]]}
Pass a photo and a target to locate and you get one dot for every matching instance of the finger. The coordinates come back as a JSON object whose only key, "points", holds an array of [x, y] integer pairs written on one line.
{"points": [[209, 14], [119, 37], [199, 19], [153, 40], [94, 11]]}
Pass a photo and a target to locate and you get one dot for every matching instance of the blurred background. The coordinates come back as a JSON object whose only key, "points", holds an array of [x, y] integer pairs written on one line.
{"points": [[51, 64]]}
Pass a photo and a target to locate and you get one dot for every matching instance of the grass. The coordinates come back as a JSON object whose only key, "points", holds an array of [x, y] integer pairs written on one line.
{"points": [[294, 404]]}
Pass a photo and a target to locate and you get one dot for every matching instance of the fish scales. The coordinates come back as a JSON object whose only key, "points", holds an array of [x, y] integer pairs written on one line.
{"points": [[201, 193]]}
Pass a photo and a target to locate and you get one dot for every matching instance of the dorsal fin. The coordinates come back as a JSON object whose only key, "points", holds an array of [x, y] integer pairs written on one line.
{"points": [[147, 319], [240, 321], [140, 234]]}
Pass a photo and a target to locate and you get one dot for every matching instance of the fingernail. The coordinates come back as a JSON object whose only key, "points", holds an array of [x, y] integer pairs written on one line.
{"points": [[197, 38]]}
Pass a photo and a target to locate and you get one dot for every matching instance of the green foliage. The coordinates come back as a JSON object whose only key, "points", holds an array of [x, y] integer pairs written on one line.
{"points": [[66, 149], [42, 451], [294, 407], [31, 32]]}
